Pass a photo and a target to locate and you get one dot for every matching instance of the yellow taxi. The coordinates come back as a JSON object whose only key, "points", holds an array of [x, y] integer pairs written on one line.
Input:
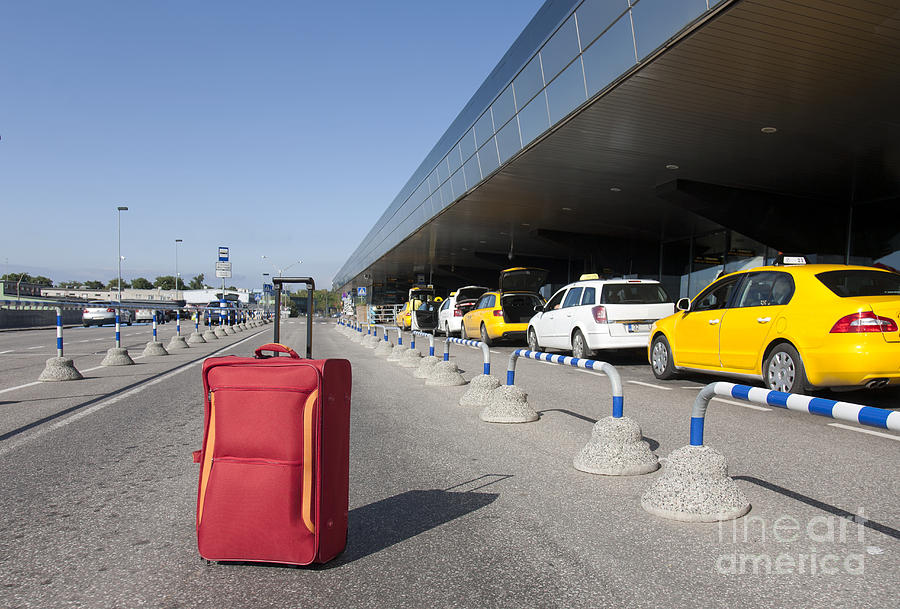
{"points": [[504, 313], [793, 325], [417, 297]]}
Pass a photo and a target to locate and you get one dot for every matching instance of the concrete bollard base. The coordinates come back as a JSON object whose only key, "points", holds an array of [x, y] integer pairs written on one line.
{"points": [[410, 358], [177, 342], [695, 487], [117, 356], [237, 328], [196, 339], [479, 392], [371, 341], [229, 330], [209, 335], [508, 404], [616, 448], [60, 369], [397, 354], [445, 374], [153, 348], [384, 349], [423, 370], [220, 332]]}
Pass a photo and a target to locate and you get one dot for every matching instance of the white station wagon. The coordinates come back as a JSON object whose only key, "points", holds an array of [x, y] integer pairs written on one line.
{"points": [[593, 314]]}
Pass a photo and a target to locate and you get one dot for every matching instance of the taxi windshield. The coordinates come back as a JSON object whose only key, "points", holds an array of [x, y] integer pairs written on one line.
{"points": [[858, 282]]}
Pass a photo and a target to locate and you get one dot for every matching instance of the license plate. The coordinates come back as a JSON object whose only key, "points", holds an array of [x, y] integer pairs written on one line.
{"points": [[637, 328]]}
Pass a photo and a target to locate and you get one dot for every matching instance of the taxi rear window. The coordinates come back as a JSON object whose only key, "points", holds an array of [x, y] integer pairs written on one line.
{"points": [[856, 282], [633, 293]]}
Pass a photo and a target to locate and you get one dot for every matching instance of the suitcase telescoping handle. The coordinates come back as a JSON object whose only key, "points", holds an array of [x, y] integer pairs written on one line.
{"points": [[277, 348], [310, 288]]}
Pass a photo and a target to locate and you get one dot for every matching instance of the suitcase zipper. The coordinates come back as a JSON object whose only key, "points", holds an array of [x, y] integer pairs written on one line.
{"points": [[256, 461], [244, 388]]}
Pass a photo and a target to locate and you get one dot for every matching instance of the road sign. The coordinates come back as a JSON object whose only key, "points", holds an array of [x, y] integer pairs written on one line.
{"points": [[223, 254], [223, 269], [361, 291]]}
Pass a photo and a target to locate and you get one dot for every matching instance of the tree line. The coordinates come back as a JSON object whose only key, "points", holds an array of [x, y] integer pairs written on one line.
{"points": [[165, 282]]}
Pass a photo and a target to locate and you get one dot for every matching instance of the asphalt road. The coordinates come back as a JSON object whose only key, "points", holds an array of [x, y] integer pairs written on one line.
{"points": [[98, 493]]}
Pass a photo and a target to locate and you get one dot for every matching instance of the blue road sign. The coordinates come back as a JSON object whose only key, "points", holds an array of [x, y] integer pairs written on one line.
{"points": [[223, 254], [361, 291]]}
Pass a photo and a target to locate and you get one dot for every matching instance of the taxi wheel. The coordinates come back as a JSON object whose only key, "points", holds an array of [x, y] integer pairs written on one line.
{"points": [[462, 332], [580, 348], [661, 359], [784, 371], [485, 338]]}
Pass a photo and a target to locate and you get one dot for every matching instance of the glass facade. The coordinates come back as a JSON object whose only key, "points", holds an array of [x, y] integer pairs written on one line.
{"points": [[571, 51]]}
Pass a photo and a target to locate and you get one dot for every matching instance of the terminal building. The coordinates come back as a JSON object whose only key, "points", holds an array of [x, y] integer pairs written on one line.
{"points": [[659, 139]]}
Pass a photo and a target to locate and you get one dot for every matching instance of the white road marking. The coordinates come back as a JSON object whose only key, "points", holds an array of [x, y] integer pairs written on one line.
{"points": [[118, 398], [868, 431], [650, 385], [84, 341], [20, 386], [7, 351], [38, 347], [742, 404]]}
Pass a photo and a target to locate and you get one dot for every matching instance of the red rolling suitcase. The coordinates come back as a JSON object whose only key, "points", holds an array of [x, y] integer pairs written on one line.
{"points": [[275, 458]]}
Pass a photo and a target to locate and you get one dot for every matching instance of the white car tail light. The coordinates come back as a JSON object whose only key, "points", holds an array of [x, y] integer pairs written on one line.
{"points": [[599, 313]]}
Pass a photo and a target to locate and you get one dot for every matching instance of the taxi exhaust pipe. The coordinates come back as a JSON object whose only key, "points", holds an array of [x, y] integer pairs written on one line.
{"points": [[876, 383]]}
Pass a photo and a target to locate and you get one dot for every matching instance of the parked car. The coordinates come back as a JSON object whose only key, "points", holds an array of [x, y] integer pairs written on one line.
{"points": [[593, 314], [99, 313], [504, 313], [146, 315], [420, 310], [217, 315], [795, 327], [458, 304]]}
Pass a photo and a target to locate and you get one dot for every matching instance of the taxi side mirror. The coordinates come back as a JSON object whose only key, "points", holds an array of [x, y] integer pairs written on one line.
{"points": [[683, 304]]}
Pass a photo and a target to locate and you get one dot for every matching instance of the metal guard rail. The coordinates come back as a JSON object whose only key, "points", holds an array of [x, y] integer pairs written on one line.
{"points": [[563, 360], [842, 411]]}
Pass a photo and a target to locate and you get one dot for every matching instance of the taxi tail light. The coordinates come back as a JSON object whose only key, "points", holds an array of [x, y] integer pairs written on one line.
{"points": [[457, 312], [110, 310], [863, 321], [498, 313], [599, 313]]}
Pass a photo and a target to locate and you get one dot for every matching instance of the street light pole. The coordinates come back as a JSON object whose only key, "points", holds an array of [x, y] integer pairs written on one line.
{"points": [[265, 300], [119, 211], [177, 241]]}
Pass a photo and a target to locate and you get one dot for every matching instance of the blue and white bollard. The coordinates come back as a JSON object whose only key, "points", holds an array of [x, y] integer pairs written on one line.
{"points": [[117, 356], [59, 368], [177, 341], [426, 364], [154, 347], [481, 387]]}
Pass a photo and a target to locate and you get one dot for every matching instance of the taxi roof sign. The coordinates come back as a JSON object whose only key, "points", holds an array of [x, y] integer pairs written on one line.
{"points": [[788, 260], [588, 276]]}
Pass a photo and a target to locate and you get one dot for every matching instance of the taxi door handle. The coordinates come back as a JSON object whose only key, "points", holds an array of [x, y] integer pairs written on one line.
{"points": [[713, 322], [763, 320]]}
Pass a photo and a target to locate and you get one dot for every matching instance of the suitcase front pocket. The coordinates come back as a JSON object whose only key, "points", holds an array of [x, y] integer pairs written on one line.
{"points": [[253, 512]]}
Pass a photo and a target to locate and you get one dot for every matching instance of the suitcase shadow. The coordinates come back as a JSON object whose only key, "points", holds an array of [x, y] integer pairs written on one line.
{"points": [[379, 525]]}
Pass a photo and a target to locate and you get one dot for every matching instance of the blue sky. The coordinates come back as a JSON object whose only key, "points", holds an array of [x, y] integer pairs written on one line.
{"points": [[279, 128]]}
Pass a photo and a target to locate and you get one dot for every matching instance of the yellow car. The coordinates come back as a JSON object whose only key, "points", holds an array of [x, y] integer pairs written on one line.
{"points": [[796, 328], [505, 313], [418, 296]]}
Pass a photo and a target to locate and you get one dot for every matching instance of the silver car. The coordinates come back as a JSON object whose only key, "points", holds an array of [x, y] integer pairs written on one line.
{"points": [[101, 313]]}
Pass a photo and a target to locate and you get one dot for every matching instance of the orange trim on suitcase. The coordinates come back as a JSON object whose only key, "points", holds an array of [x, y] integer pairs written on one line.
{"points": [[306, 492], [207, 455]]}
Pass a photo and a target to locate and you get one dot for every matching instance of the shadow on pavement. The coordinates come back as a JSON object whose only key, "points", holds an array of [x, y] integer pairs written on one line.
{"points": [[382, 524], [653, 443], [870, 524]]}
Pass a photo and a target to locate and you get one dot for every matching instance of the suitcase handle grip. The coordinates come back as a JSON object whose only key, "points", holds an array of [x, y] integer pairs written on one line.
{"points": [[276, 347]]}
